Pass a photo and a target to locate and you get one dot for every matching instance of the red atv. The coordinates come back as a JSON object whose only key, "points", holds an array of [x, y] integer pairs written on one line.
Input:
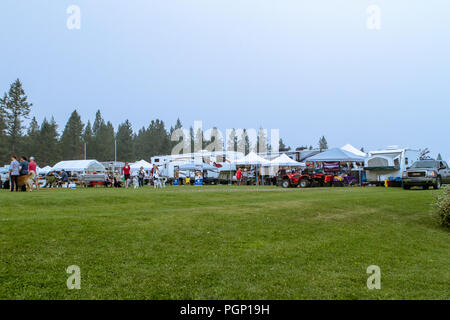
{"points": [[303, 180]]}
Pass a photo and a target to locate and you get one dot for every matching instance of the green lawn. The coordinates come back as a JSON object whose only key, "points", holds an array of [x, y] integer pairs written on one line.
{"points": [[222, 243]]}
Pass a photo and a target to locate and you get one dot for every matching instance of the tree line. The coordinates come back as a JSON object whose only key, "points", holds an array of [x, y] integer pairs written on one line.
{"points": [[97, 139]]}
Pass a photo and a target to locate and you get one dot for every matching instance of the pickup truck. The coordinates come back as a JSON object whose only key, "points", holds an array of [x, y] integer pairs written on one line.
{"points": [[426, 173]]}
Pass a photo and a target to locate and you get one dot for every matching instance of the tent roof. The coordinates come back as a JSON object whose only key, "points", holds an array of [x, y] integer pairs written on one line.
{"points": [[194, 166], [251, 158], [335, 154], [79, 165], [284, 161], [141, 163], [348, 147]]}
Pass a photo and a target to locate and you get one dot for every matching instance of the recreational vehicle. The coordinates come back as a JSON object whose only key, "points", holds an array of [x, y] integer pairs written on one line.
{"points": [[389, 164], [169, 163]]}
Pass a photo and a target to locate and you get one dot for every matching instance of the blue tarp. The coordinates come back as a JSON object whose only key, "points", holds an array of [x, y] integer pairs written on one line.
{"points": [[336, 154]]}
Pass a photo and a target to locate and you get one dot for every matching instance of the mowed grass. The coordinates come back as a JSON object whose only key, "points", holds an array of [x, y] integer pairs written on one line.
{"points": [[222, 243]]}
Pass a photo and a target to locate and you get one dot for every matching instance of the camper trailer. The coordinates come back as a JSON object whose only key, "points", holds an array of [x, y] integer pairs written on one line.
{"points": [[169, 163], [389, 164]]}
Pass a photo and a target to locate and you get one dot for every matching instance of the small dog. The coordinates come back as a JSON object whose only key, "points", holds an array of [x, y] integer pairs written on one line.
{"points": [[135, 182]]}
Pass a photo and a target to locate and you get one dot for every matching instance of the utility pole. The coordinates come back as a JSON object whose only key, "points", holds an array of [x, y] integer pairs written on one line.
{"points": [[85, 151]]}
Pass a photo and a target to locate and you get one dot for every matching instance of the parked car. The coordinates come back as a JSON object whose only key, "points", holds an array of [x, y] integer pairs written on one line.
{"points": [[426, 173]]}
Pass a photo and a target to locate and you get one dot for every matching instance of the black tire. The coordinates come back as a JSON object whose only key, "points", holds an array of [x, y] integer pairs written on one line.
{"points": [[426, 187], [438, 183], [286, 183], [304, 183], [406, 187]]}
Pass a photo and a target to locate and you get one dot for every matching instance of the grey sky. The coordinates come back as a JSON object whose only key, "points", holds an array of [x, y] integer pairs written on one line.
{"points": [[309, 68]]}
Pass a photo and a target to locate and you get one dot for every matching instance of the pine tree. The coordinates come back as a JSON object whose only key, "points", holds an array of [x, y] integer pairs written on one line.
{"points": [[48, 143], [178, 125], [16, 108], [105, 141], [97, 149], [262, 144], [88, 140], [141, 146], [72, 147], [232, 141], [124, 138], [243, 143], [283, 148], [215, 143], [32, 138], [4, 154], [323, 144]]}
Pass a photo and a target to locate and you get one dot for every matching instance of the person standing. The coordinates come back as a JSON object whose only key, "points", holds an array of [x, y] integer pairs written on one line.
{"points": [[245, 176], [32, 167], [64, 178], [141, 176], [239, 176], [23, 170], [14, 172], [126, 172], [155, 174]]}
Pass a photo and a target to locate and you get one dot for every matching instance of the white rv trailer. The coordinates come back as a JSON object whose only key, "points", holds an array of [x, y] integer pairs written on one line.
{"points": [[389, 163], [167, 163]]}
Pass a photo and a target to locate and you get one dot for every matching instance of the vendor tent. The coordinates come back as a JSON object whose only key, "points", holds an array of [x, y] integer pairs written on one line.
{"points": [[336, 154], [142, 163], [195, 166], [79, 166], [284, 161], [44, 170], [251, 159], [348, 147]]}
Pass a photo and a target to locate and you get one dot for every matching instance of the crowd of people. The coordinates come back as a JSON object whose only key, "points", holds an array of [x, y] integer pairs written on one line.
{"points": [[135, 179], [23, 167], [17, 168]]}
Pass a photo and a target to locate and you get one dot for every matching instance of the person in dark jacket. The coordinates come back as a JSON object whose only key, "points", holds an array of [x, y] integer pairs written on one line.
{"points": [[64, 177], [23, 166], [23, 170]]}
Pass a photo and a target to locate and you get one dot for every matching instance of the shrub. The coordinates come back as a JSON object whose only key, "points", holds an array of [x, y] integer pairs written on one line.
{"points": [[442, 206]]}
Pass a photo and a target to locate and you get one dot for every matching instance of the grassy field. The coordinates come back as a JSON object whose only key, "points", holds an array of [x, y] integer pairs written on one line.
{"points": [[222, 243]]}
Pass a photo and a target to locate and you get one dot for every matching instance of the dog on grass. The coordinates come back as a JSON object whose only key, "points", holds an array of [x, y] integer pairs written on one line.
{"points": [[26, 180], [135, 182]]}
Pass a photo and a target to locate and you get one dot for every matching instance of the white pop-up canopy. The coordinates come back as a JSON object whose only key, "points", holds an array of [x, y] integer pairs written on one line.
{"points": [[79, 166], [348, 147], [44, 170], [284, 161], [251, 159], [142, 163]]}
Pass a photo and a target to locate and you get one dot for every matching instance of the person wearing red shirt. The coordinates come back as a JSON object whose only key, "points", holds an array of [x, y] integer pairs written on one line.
{"points": [[239, 176], [126, 172], [32, 167]]}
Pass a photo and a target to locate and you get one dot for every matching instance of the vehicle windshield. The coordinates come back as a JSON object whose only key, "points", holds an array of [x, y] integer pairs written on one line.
{"points": [[425, 164]]}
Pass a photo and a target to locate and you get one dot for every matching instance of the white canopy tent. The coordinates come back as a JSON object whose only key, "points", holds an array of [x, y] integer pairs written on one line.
{"points": [[251, 159], [284, 161], [348, 147], [79, 166], [271, 168], [44, 170], [135, 167]]}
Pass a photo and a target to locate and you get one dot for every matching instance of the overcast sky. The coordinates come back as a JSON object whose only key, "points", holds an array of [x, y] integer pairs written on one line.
{"points": [[308, 68]]}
